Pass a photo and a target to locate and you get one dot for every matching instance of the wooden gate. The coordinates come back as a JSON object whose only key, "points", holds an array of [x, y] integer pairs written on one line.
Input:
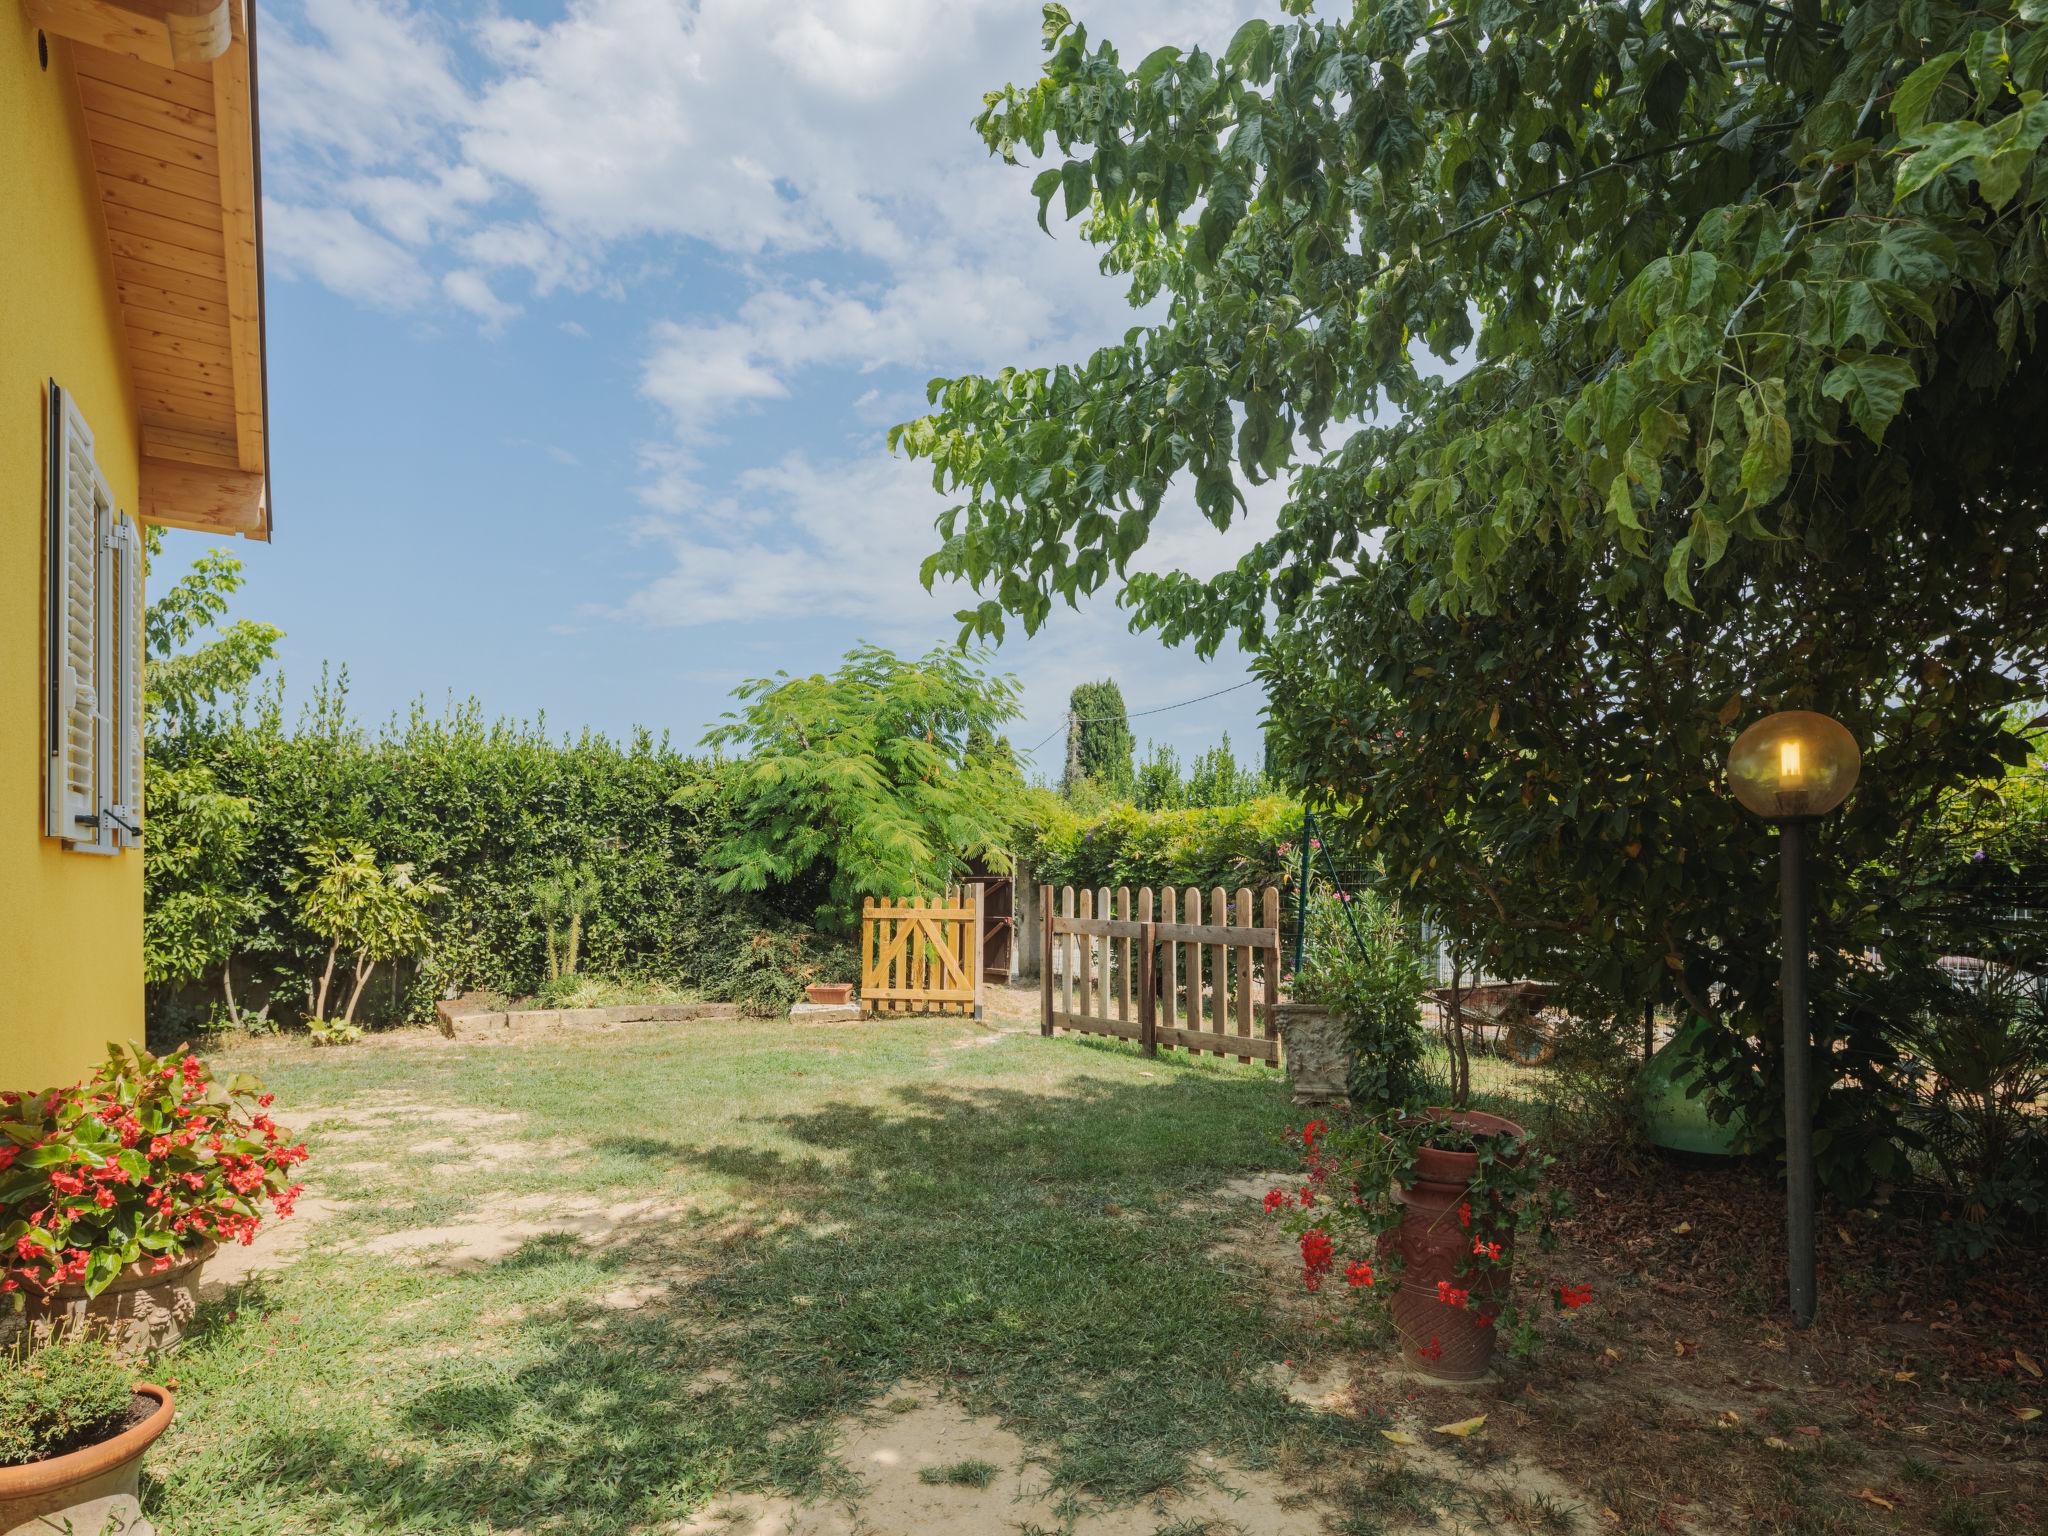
{"points": [[920, 956], [1209, 985]]}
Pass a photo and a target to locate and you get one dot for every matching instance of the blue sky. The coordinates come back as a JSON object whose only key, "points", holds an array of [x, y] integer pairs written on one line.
{"points": [[586, 323]]}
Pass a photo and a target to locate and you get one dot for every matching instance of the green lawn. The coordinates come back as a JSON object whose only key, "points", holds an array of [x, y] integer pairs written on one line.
{"points": [[767, 1227]]}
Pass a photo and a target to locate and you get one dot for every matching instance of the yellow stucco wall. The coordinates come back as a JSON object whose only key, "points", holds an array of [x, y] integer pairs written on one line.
{"points": [[70, 923]]}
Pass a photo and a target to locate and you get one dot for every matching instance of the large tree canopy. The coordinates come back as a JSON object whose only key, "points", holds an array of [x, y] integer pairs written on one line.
{"points": [[1706, 260], [1733, 404]]}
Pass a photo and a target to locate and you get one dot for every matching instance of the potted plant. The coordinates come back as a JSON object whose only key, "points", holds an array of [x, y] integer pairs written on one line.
{"points": [[73, 1429], [1419, 1212], [1352, 1033], [113, 1192], [831, 993]]}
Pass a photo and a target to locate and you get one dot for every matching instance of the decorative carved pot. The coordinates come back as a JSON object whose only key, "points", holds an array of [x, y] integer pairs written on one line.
{"points": [[1447, 1342], [833, 994], [1316, 1052], [139, 1310], [93, 1489]]}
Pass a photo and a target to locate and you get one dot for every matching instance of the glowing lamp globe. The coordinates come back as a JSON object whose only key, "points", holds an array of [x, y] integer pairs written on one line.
{"points": [[1794, 765]]}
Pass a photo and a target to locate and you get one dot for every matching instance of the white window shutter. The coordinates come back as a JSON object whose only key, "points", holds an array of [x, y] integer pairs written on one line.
{"points": [[73, 747], [125, 810]]}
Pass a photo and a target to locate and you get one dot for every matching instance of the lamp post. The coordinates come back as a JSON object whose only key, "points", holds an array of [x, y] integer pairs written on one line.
{"points": [[1792, 768]]}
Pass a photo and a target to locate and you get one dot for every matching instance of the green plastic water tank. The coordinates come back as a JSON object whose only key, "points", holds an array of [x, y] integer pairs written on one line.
{"points": [[1674, 1119]]}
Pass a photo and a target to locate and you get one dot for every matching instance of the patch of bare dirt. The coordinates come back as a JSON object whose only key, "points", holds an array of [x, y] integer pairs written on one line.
{"points": [[499, 1226], [276, 1244], [911, 1457]]}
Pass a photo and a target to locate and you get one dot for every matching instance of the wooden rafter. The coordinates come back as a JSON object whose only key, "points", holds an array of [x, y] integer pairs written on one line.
{"points": [[166, 32], [166, 91]]}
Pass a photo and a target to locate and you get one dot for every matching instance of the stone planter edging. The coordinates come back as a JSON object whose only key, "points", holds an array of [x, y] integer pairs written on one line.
{"points": [[459, 1026]]}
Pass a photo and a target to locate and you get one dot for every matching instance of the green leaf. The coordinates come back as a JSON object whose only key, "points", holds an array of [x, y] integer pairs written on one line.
{"points": [[1043, 186], [1873, 386], [1916, 92], [1677, 578], [1936, 149], [1915, 254], [1767, 454], [1075, 179], [1157, 63], [1247, 41]]}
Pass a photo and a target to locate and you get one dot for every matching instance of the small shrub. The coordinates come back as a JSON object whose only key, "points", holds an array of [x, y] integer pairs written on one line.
{"points": [[59, 1397], [1977, 1067], [1588, 1097], [961, 1474], [1366, 968], [766, 971]]}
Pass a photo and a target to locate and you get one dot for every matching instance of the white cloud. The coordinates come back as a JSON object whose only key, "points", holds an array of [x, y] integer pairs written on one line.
{"points": [[807, 539], [470, 290], [811, 171], [335, 248], [363, 82]]}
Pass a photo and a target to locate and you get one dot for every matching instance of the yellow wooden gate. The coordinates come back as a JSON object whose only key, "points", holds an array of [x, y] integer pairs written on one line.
{"points": [[920, 956]]}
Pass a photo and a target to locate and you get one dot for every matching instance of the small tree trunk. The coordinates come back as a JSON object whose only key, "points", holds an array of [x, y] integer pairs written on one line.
{"points": [[1461, 1061], [575, 940], [363, 970], [227, 987], [554, 964], [326, 977]]}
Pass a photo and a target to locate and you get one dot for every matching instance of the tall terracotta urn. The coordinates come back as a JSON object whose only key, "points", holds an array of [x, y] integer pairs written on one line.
{"points": [[1441, 1339]]}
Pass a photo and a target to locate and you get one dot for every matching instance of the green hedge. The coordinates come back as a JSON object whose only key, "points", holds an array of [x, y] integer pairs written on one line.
{"points": [[483, 806], [1231, 845]]}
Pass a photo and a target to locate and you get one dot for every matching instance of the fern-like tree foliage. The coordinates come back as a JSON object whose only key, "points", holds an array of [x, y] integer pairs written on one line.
{"points": [[873, 777], [1631, 370]]}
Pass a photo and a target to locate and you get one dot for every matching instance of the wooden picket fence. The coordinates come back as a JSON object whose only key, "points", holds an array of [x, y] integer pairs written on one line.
{"points": [[1181, 979], [920, 956]]}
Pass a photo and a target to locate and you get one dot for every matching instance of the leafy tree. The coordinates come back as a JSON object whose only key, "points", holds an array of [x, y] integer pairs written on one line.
{"points": [[566, 895], [187, 684], [198, 907], [1733, 310], [1158, 785], [1102, 736], [1217, 778], [368, 910], [863, 778], [198, 904]]}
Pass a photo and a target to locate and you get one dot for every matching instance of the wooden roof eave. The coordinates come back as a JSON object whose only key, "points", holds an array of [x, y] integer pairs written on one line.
{"points": [[168, 89]]}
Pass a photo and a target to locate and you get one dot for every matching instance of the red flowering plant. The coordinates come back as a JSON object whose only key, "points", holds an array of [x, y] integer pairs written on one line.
{"points": [[145, 1162], [1347, 1208]]}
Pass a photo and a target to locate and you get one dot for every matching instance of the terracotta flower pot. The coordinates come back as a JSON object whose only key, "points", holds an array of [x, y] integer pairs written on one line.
{"points": [[1449, 1343], [88, 1490], [834, 994], [140, 1310]]}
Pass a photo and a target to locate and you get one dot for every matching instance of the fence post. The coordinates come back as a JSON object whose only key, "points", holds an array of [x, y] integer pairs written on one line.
{"points": [[974, 947], [1148, 1020], [1045, 964]]}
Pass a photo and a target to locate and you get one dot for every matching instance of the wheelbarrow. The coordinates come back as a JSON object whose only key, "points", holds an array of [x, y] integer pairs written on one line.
{"points": [[1511, 1012]]}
